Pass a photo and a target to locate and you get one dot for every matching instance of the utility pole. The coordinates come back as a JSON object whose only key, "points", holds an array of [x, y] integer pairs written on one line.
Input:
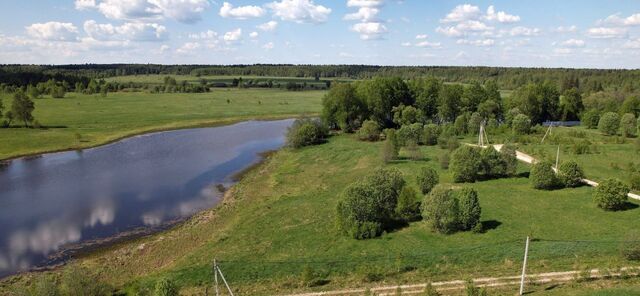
{"points": [[524, 266], [216, 271], [557, 158]]}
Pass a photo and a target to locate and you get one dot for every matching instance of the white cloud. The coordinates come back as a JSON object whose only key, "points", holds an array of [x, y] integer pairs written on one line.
{"points": [[253, 34], [428, 44], [573, 43], [365, 3], [53, 31], [363, 14], [85, 4], [206, 35], [632, 44], [479, 42], [186, 11], [268, 26], [500, 16], [464, 28], [300, 11], [188, 47], [616, 19], [569, 29], [562, 51], [449, 31], [524, 31], [242, 12], [421, 36], [405, 44], [125, 32], [268, 46], [605, 33], [462, 13], [370, 30], [233, 36]]}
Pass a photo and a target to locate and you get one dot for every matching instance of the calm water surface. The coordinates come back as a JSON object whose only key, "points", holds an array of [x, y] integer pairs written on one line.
{"points": [[59, 199]]}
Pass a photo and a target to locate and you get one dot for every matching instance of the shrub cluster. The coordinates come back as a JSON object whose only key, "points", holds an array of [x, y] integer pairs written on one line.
{"points": [[370, 131], [611, 195], [368, 206], [305, 132], [427, 179], [543, 177], [628, 125], [448, 211], [408, 208], [521, 124], [609, 123], [469, 164], [590, 119], [570, 174]]}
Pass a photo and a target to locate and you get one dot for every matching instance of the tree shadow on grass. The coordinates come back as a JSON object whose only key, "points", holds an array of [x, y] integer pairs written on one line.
{"points": [[490, 225], [627, 206]]}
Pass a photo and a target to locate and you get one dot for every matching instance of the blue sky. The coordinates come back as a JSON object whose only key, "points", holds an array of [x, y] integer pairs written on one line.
{"points": [[566, 33]]}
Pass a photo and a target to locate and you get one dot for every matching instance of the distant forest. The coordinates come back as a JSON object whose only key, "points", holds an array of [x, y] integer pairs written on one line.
{"points": [[586, 80]]}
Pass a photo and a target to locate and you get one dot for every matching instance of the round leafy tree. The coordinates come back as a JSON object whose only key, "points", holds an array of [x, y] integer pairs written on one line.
{"points": [[590, 119], [474, 123], [465, 164], [469, 208], [430, 134], [628, 125], [408, 208], [570, 174], [441, 210], [509, 156], [521, 124], [370, 131], [543, 177], [305, 132], [611, 195], [609, 123], [427, 179], [492, 163], [460, 125]]}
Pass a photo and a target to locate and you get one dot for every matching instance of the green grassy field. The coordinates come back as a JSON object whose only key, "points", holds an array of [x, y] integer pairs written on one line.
{"points": [[79, 121], [279, 221]]}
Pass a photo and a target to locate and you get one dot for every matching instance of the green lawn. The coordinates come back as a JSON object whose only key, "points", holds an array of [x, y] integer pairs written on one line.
{"points": [[278, 221], [88, 120]]}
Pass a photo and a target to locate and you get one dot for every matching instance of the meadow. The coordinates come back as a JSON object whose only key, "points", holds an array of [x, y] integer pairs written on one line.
{"points": [[275, 232], [80, 121]]}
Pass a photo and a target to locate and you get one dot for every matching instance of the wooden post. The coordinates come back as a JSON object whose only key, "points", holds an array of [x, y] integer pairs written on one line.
{"points": [[524, 265], [215, 276], [557, 158]]}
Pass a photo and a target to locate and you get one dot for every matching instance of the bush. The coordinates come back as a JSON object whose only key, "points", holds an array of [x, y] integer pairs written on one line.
{"points": [[628, 125], [581, 147], [634, 181], [470, 210], [590, 119], [521, 124], [441, 210], [570, 174], [408, 133], [611, 195], [492, 163], [474, 123], [444, 161], [370, 131], [543, 177], [413, 150], [430, 134], [465, 164], [609, 123], [305, 132], [165, 287], [368, 205], [427, 179], [509, 156], [460, 125], [79, 281], [389, 151], [408, 208]]}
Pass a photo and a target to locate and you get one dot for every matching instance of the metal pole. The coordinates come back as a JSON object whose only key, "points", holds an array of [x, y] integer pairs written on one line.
{"points": [[557, 158], [224, 280], [215, 275], [524, 266]]}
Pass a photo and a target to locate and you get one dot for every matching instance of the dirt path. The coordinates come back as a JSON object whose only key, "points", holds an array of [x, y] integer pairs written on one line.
{"points": [[530, 160], [456, 285]]}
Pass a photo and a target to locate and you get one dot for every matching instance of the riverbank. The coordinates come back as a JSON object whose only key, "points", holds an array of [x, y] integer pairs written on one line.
{"points": [[86, 121]]}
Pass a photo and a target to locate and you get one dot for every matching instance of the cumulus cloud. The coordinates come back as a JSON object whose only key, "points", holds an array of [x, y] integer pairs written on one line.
{"points": [[573, 43], [206, 35], [616, 19], [462, 13], [186, 11], [524, 31], [365, 3], [242, 12], [363, 13], [428, 44], [606, 32], [464, 28], [53, 31], [268, 46], [632, 44], [405, 44], [125, 32], [421, 36], [568, 29], [479, 42], [500, 16], [233, 36], [268, 26], [369, 31], [299, 11], [253, 34]]}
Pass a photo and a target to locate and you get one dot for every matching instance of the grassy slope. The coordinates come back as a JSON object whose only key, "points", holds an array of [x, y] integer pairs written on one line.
{"points": [[99, 120], [284, 212]]}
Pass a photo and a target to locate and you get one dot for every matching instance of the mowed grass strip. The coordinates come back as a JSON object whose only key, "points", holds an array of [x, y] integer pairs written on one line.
{"points": [[80, 121], [279, 221]]}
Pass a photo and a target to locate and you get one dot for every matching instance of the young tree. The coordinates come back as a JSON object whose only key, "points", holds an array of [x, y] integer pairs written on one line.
{"points": [[609, 123], [611, 195], [521, 124], [474, 123], [492, 163], [22, 108], [570, 174], [460, 125], [543, 177], [405, 115], [409, 133], [628, 125], [430, 134], [571, 104], [441, 210], [511, 115], [465, 164], [449, 102], [427, 179], [370, 131], [591, 118], [413, 150], [426, 92], [342, 108], [381, 95], [470, 210], [509, 156], [305, 132], [408, 208]]}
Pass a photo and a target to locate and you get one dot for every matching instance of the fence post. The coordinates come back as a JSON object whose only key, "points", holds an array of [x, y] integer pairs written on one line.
{"points": [[524, 266]]}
